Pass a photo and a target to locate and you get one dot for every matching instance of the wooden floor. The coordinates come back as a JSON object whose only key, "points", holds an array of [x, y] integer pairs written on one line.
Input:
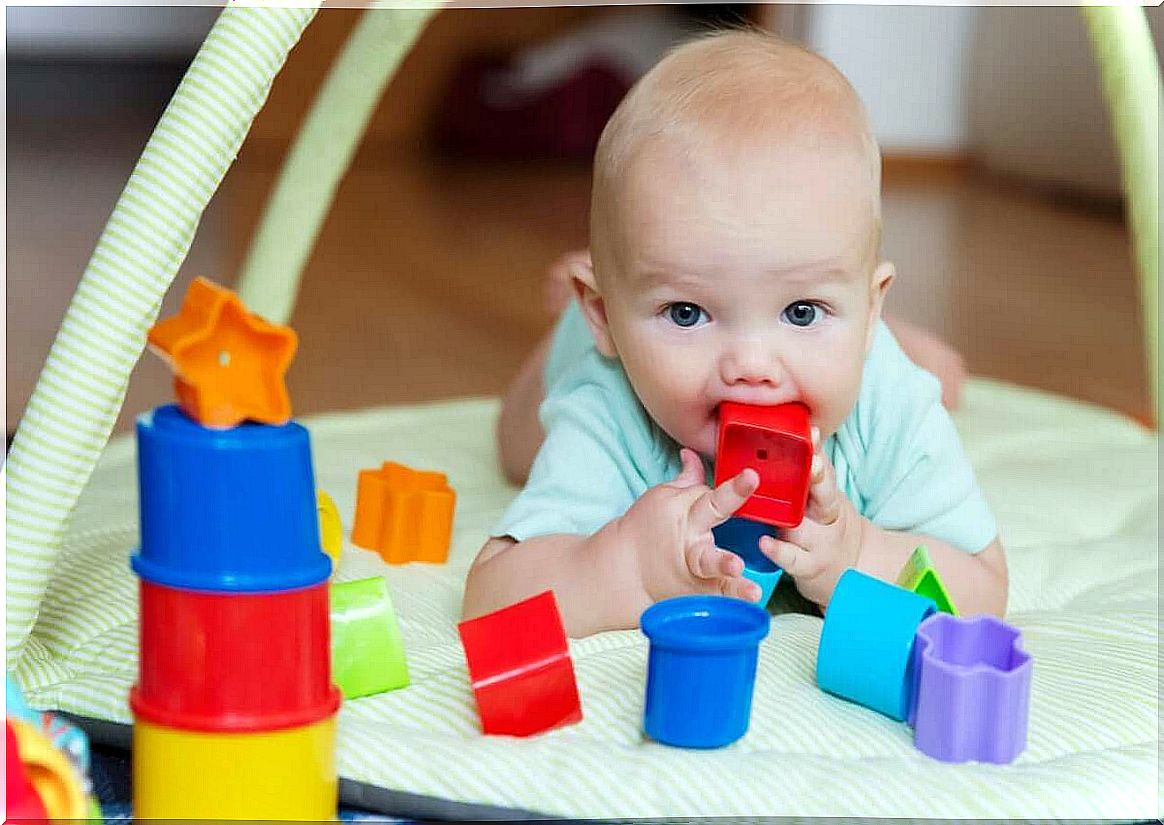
{"points": [[426, 282]]}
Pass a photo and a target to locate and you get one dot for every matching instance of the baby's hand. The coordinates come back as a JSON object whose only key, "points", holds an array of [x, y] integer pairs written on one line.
{"points": [[817, 551], [669, 528]]}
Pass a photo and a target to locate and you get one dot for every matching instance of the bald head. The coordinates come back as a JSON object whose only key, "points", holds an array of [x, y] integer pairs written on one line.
{"points": [[730, 94]]}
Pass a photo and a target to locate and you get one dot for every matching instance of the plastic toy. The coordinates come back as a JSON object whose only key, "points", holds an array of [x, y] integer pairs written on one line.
{"points": [[742, 537], [47, 762], [228, 364], [520, 668], [286, 774], [226, 510], [15, 705], [403, 514], [40, 781], [234, 705], [331, 529], [974, 689], [21, 800], [262, 658], [701, 670], [776, 442], [866, 644], [919, 576], [367, 651]]}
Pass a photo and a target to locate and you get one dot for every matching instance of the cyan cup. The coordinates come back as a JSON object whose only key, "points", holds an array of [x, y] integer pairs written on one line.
{"points": [[702, 669], [866, 644], [742, 537]]}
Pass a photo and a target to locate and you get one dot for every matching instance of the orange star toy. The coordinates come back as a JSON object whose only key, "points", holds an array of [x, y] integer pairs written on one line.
{"points": [[228, 363]]}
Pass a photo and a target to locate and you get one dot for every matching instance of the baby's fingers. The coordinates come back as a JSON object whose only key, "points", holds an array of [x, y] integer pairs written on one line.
{"points": [[824, 497], [711, 563], [691, 472], [716, 506], [796, 561], [738, 587]]}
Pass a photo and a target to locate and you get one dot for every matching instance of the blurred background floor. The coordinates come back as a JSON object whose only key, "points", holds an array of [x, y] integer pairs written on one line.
{"points": [[427, 279]]}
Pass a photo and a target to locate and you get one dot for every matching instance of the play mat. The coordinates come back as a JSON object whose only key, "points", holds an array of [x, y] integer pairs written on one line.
{"points": [[1075, 488], [1084, 593]]}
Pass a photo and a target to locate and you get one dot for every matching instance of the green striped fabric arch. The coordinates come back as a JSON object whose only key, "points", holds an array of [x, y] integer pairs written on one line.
{"points": [[1131, 81], [83, 382], [321, 153]]}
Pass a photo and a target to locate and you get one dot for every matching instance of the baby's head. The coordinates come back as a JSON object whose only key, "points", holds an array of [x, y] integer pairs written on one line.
{"points": [[735, 228]]}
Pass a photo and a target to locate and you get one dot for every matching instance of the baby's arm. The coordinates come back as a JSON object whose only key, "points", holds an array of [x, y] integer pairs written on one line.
{"points": [[595, 584], [661, 547], [834, 537], [977, 583]]}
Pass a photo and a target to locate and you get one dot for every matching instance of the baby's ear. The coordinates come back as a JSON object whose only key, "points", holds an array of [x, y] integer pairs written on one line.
{"points": [[882, 278], [592, 304]]}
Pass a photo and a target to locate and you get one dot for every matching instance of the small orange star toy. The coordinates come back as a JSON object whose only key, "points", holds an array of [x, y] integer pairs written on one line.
{"points": [[229, 364]]}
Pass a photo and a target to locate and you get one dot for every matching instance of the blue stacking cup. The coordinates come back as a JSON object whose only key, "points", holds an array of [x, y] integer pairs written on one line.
{"points": [[742, 537], [866, 644], [226, 510], [702, 669]]}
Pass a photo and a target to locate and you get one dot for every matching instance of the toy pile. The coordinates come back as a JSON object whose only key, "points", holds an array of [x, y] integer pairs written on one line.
{"points": [[247, 645]]}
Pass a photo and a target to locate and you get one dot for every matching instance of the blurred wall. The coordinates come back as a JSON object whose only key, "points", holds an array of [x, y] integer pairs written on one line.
{"points": [[83, 32], [1037, 108], [1016, 89], [909, 65]]}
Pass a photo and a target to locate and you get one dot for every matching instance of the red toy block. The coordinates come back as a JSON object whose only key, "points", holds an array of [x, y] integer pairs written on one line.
{"points": [[776, 442], [520, 668], [20, 798]]}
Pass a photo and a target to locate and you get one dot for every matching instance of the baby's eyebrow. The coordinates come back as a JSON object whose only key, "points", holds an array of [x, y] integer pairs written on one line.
{"points": [[814, 272], [649, 277]]}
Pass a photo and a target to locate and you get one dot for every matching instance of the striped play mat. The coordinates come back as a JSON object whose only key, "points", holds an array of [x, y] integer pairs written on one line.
{"points": [[1076, 492]]}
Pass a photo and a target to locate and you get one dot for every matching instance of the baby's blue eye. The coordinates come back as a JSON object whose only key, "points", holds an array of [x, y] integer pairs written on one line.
{"points": [[803, 313], [684, 314]]}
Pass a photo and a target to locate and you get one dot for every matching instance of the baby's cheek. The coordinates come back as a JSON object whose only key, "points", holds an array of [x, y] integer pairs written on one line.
{"points": [[830, 390]]}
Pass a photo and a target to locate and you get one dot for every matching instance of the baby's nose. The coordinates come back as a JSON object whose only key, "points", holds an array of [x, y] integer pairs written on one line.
{"points": [[749, 362]]}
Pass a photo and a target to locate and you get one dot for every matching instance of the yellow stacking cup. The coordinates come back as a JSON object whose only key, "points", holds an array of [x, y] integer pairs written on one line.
{"points": [[281, 774]]}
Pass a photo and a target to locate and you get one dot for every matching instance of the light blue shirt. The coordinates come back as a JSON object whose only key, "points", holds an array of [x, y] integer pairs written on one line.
{"points": [[897, 456]]}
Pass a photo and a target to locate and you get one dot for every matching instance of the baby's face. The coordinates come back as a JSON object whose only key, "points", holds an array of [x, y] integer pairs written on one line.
{"points": [[750, 280]]}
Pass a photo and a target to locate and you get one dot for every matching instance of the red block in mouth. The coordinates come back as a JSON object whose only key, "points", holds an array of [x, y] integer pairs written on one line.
{"points": [[776, 442]]}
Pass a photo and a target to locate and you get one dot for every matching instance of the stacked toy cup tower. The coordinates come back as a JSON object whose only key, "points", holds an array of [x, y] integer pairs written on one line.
{"points": [[234, 707]]}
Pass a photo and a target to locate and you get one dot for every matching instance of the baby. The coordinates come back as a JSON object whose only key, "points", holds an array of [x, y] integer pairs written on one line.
{"points": [[735, 232]]}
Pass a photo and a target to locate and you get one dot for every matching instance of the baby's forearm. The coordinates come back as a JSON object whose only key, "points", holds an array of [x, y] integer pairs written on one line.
{"points": [[592, 577], [977, 583]]}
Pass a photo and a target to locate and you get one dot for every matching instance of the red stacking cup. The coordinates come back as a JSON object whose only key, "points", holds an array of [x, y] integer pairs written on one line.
{"points": [[238, 662]]}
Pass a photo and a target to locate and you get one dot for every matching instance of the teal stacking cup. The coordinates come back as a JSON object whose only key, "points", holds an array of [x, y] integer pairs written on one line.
{"points": [[866, 644]]}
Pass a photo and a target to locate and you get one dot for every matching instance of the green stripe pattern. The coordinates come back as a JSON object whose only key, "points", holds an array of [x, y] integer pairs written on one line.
{"points": [[1084, 591], [321, 154], [82, 385], [1131, 82]]}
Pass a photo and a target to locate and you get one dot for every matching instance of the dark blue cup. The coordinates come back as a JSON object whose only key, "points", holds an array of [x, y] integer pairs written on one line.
{"points": [[702, 669], [742, 537], [226, 510]]}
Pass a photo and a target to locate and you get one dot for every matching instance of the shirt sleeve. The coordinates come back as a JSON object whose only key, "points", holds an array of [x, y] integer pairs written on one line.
{"points": [[583, 475], [916, 476]]}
